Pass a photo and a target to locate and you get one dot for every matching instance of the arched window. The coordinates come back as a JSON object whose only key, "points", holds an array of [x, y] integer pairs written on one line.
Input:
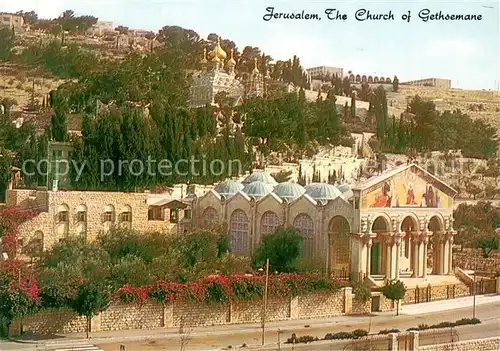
{"points": [[239, 225], [126, 214], [63, 213], [109, 214], [210, 216], [305, 225], [269, 223], [81, 214]]}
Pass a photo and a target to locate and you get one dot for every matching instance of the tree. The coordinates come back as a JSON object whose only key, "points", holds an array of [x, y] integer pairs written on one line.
{"points": [[353, 104], [282, 176], [59, 126], [282, 248], [395, 84], [394, 290], [7, 37], [92, 297], [488, 244]]}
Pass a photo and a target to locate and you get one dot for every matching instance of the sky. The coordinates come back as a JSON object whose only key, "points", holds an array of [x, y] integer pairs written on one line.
{"points": [[467, 52]]}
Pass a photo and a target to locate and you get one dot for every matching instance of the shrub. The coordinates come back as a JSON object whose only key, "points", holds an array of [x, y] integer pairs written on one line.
{"points": [[301, 340], [338, 336], [359, 333], [362, 291], [443, 325], [388, 331]]}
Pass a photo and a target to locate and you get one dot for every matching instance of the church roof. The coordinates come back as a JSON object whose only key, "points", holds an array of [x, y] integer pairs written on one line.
{"points": [[258, 189], [260, 177], [429, 178], [322, 191], [346, 191], [228, 187], [289, 191]]}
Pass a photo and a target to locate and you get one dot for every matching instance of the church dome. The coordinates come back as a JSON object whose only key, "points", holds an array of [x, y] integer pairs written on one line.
{"points": [[218, 54], [322, 191], [259, 177], [231, 62], [346, 191], [289, 191], [228, 187], [257, 189]]}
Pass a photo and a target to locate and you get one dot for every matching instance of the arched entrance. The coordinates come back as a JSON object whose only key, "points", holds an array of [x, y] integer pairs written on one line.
{"points": [[339, 246], [439, 249], [406, 252], [377, 260]]}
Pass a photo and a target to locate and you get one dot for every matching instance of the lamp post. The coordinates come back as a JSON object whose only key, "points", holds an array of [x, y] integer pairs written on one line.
{"points": [[264, 310], [474, 288]]}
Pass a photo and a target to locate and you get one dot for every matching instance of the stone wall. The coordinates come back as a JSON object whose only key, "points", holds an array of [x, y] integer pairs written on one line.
{"points": [[466, 260], [469, 345], [153, 315]]}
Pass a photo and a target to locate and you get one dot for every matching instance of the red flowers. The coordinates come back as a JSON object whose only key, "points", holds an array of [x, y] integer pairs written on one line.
{"points": [[10, 220], [219, 288]]}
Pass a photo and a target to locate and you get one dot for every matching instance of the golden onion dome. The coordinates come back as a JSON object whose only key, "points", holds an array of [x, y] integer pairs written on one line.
{"points": [[231, 62], [218, 52], [255, 69], [204, 59]]}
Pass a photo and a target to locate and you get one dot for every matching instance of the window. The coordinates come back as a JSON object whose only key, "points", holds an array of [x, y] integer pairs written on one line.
{"points": [[62, 217], [108, 216], [305, 225], [174, 215], [126, 217], [81, 216], [239, 232], [187, 213], [155, 213], [210, 216], [269, 223]]}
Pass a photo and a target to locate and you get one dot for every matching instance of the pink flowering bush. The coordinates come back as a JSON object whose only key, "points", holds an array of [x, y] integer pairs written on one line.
{"points": [[10, 220]]}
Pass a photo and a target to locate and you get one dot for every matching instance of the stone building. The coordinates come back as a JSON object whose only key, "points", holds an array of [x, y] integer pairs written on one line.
{"points": [[431, 82], [11, 20], [382, 228], [385, 227], [219, 76]]}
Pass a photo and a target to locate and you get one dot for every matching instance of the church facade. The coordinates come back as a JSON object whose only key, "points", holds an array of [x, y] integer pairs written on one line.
{"points": [[397, 224], [218, 75]]}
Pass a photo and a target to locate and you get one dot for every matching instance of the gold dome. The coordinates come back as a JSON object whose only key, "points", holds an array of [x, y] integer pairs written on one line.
{"points": [[255, 69], [204, 59], [218, 52], [231, 62]]}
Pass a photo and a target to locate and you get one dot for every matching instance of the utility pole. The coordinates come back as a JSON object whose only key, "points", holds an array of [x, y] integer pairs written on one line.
{"points": [[474, 288], [265, 303]]}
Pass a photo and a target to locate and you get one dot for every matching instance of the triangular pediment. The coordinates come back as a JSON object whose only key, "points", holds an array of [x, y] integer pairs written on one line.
{"points": [[407, 186], [270, 198], [240, 195]]}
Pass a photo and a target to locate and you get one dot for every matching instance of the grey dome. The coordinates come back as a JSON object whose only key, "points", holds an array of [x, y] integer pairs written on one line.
{"points": [[322, 191], [346, 191], [228, 187], [259, 177], [257, 189], [289, 191]]}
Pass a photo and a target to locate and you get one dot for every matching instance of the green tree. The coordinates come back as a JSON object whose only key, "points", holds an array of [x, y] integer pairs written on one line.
{"points": [[395, 84], [282, 248], [59, 126], [7, 37], [92, 297], [487, 244], [394, 290], [353, 104]]}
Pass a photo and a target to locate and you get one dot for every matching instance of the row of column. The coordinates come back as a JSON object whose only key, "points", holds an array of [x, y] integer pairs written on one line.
{"points": [[418, 253]]}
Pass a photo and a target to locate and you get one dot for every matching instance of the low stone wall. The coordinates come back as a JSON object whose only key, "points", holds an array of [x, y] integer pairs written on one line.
{"points": [[435, 292], [488, 344], [468, 259], [153, 315]]}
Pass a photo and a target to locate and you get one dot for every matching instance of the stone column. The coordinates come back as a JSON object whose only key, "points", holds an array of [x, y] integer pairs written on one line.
{"points": [[398, 247], [415, 245], [442, 256], [450, 255], [426, 245], [393, 342], [368, 257], [388, 258], [414, 340]]}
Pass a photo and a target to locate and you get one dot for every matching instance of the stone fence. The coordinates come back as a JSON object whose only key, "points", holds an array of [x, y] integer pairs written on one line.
{"points": [[488, 344], [153, 315]]}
